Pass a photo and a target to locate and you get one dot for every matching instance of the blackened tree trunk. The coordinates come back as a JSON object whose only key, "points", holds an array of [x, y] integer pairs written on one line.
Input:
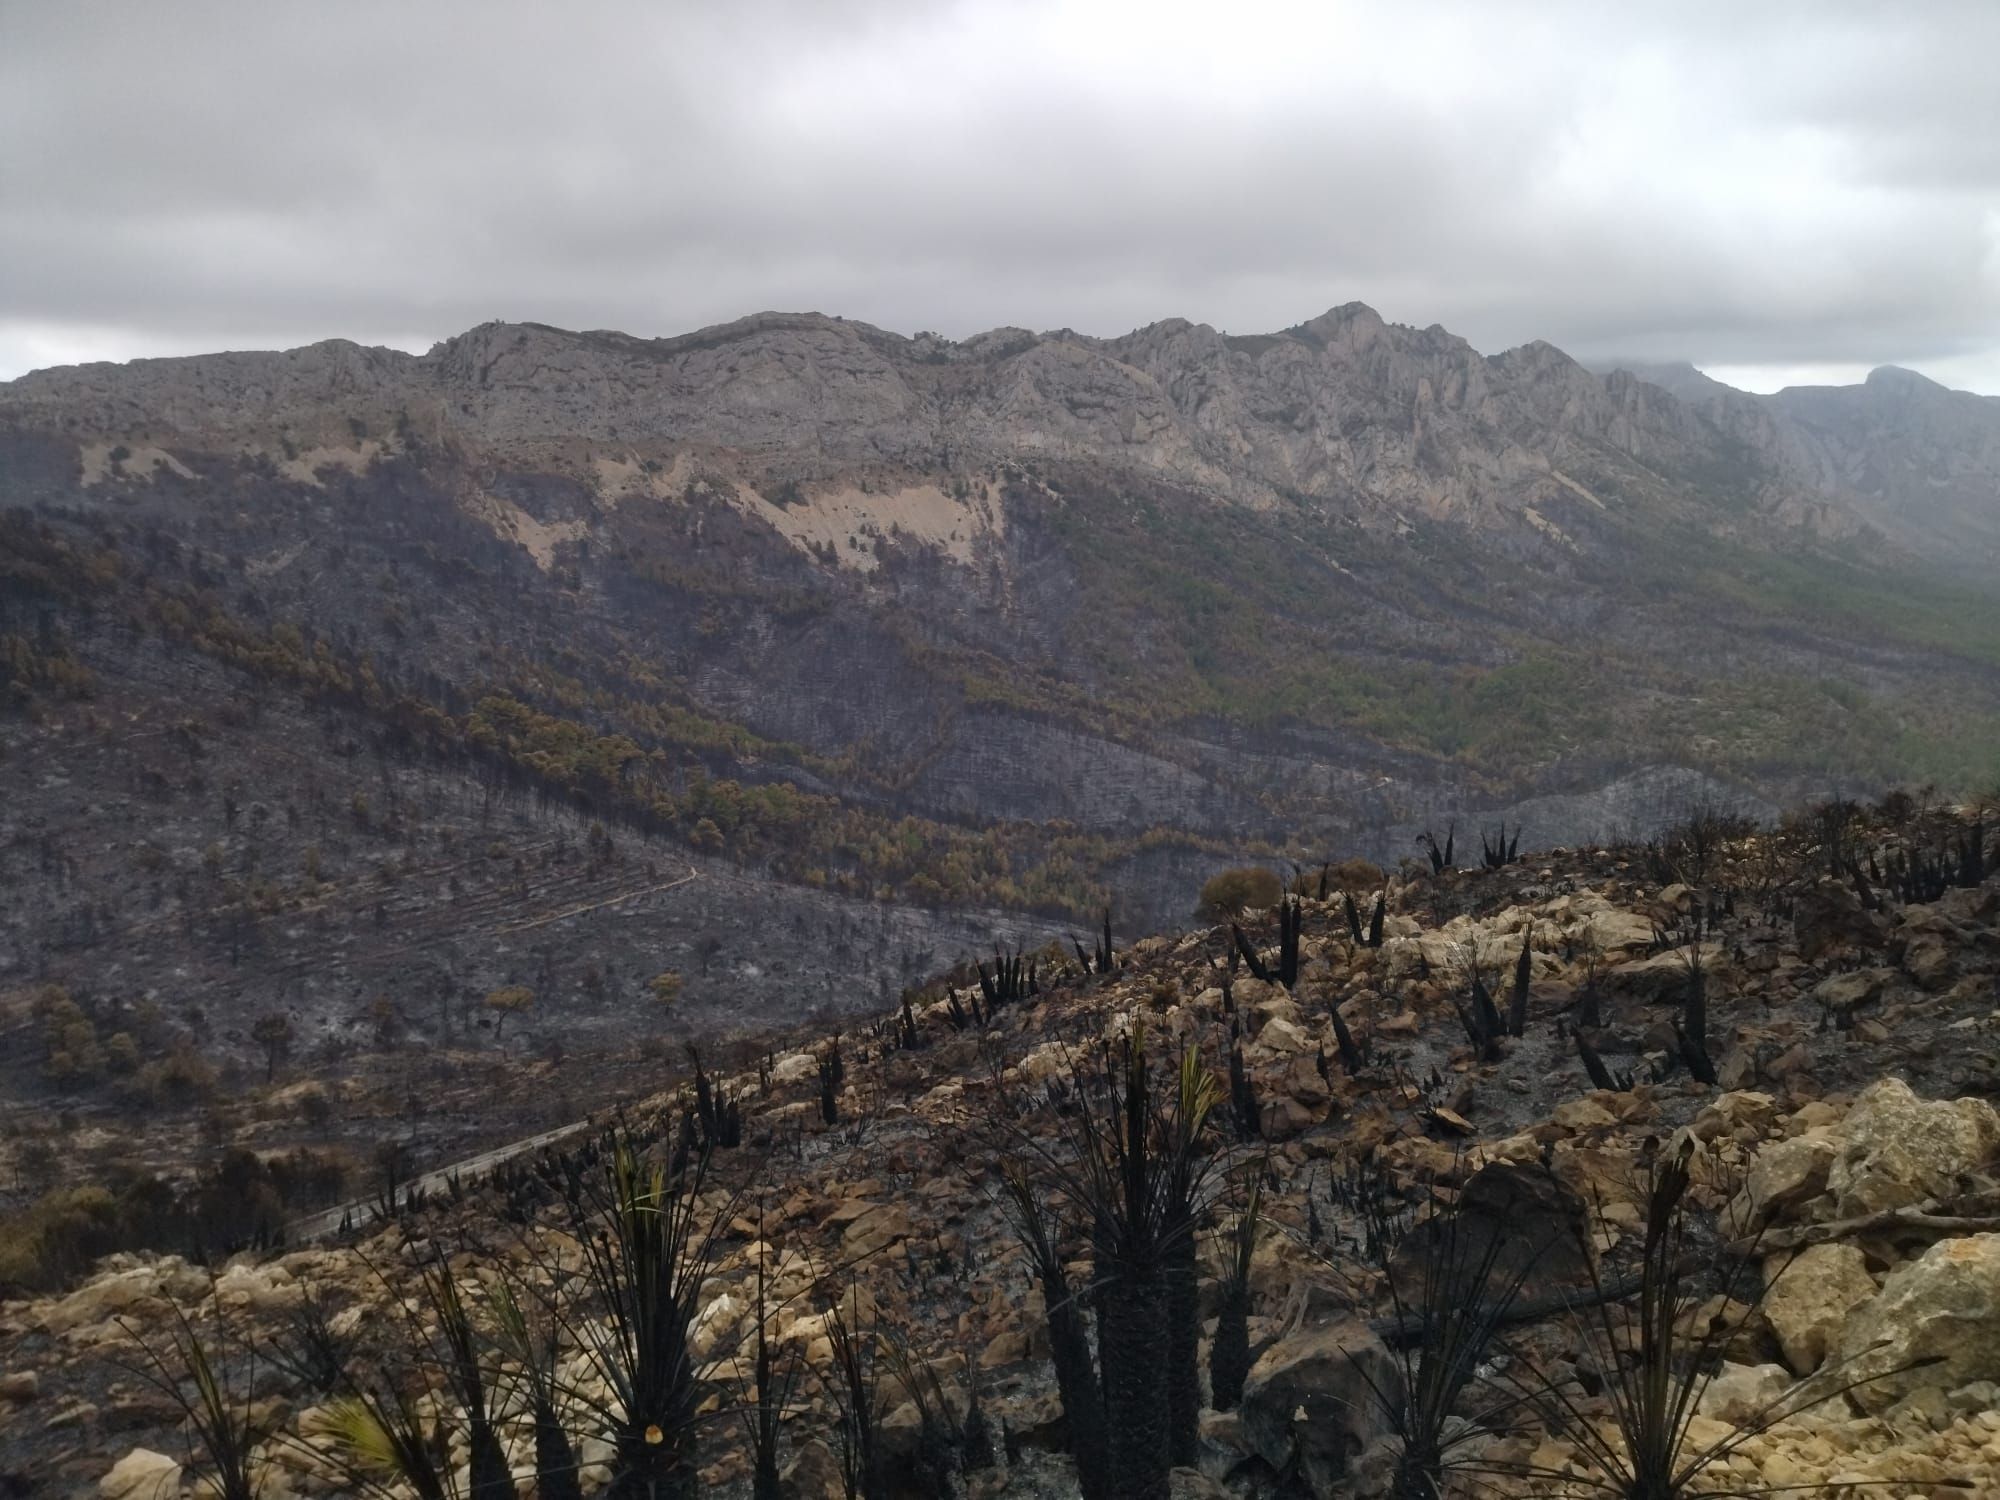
{"points": [[660, 1470], [1229, 1355], [489, 1476], [555, 1459], [1132, 1346], [1183, 1348], [1077, 1384]]}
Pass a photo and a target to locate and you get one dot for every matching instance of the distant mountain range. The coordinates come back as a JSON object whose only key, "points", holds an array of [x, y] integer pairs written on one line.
{"points": [[1917, 460], [1027, 622]]}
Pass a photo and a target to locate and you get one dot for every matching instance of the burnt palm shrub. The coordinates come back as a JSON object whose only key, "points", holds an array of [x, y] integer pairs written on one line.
{"points": [[1961, 859], [853, 1386], [1243, 1104], [647, 1247], [1252, 960], [1524, 970], [1691, 1030], [1103, 959], [1973, 859], [1186, 1172], [1351, 1057], [1229, 1353], [218, 1415], [308, 1350], [831, 1071], [462, 1357], [945, 1447], [1498, 851], [1291, 916], [720, 1117], [774, 1374], [1601, 1076], [1449, 1297], [535, 1345], [1130, 1162], [1371, 937], [1833, 827], [1589, 994], [1651, 1358], [1013, 979], [1039, 1232], [1441, 859], [1478, 1014]]}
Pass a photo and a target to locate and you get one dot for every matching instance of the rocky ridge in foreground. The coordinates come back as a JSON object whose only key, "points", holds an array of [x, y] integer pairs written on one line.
{"points": [[1847, 1136]]}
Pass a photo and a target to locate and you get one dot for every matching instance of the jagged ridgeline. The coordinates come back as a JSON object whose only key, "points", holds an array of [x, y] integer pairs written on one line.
{"points": [[1702, 1196]]}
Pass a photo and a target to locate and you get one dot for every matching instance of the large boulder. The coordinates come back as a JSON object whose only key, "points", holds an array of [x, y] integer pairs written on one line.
{"points": [[1310, 1395], [1811, 1298], [1786, 1176], [1897, 1149], [265, 1288], [1284, 1035], [1843, 994], [1829, 917], [1531, 1222], [138, 1293], [1944, 1304], [1662, 979], [1931, 946], [1611, 931], [142, 1474], [873, 1231], [1740, 1394]]}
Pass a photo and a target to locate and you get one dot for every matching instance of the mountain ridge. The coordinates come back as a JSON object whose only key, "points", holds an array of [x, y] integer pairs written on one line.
{"points": [[1027, 623], [1372, 418]]}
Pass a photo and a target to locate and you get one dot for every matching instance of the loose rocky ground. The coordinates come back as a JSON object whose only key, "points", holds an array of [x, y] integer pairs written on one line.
{"points": [[1856, 1042]]}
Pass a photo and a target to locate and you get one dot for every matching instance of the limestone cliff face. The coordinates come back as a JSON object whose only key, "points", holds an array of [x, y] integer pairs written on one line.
{"points": [[1918, 460], [1376, 421]]}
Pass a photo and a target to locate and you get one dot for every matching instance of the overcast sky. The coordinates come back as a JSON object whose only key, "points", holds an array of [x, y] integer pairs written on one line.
{"points": [[1776, 192]]}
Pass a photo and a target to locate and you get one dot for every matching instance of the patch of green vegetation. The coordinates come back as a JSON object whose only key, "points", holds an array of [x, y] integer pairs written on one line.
{"points": [[1843, 595]]}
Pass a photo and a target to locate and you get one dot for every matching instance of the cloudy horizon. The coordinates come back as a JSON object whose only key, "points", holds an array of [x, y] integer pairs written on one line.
{"points": [[1780, 194]]}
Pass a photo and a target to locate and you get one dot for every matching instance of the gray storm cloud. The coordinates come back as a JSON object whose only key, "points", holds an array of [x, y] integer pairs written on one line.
{"points": [[1811, 188]]}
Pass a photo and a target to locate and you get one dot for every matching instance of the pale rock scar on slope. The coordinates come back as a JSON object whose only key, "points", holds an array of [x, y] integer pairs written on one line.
{"points": [[843, 517], [356, 459], [838, 518], [142, 461], [506, 520], [138, 462]]}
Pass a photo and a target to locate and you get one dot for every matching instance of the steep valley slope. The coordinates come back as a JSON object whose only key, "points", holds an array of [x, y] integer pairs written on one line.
{"points": [[795, 660]]}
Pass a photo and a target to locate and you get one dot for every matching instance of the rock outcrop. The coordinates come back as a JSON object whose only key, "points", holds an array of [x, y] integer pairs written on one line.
{"points": [[872, 1195], [1939, 1313]]}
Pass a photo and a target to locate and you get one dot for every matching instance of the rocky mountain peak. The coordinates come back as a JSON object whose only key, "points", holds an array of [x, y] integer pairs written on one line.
{"points": [[1897, 378], [1371, 419]]}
